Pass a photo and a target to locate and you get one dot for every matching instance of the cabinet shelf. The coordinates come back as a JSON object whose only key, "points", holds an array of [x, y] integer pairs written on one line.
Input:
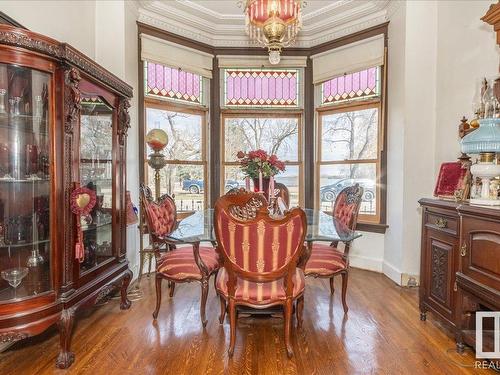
{"points": [[23, 181], [90, 227], [23, 244]]}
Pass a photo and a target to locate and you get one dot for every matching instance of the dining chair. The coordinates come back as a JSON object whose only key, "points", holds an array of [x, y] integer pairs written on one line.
{"points": [[282, 192], [327, 261], [178, 265], [259, 259]]}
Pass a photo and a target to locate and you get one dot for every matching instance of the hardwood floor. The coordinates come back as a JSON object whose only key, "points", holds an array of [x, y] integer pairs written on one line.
{"points": [[381, 334]]}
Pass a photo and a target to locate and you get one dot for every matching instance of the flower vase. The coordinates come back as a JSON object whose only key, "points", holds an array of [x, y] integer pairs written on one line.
{"points": [[265, 185]]}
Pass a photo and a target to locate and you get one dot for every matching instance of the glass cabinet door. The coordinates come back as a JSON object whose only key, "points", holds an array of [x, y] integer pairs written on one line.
{"points": [[25, 248], [96, 173]]}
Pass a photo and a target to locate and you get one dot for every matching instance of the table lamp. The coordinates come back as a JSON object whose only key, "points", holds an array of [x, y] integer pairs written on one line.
{"points": [[485, 141], [157, 139]]}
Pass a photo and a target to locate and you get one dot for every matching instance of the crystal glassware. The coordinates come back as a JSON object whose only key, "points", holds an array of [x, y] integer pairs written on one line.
{"points": [[2, 101], [38, 109], [14, 276], [35, 259], [14, 105]]}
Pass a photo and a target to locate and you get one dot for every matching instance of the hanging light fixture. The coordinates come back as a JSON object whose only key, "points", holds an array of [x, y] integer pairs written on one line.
{"points": [[273, 24]]}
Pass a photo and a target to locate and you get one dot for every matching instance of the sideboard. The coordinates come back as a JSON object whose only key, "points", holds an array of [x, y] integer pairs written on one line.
{"points": [[460, 264]]}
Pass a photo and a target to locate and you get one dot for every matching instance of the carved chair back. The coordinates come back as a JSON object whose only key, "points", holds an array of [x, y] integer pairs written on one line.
{"points": [[347, 204], [282, 192], [254, 246], [161, 216]]}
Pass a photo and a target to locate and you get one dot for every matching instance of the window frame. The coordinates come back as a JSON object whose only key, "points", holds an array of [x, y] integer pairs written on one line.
{"points": [[168, 105], [267, 113], [352, 106]]}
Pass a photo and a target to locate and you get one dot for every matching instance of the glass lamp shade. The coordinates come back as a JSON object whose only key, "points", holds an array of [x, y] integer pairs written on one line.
{"points": [[157, 139], [484, 139]]}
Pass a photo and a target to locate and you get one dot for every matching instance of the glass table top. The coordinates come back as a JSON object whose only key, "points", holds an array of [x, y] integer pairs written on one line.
{"points": [[320, 227]]}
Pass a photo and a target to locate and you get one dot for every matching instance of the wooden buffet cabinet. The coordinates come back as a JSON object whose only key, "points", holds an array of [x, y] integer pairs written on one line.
{"points": [[63, 124], [460, 264]]}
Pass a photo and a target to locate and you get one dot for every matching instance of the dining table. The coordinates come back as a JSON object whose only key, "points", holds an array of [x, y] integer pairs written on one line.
{"points": [[321, 226]]}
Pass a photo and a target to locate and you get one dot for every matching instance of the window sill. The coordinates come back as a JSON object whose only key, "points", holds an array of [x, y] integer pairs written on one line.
{"points": [[371, 227]]}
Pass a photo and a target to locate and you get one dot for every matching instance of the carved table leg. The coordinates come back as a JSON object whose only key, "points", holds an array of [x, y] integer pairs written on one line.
{"points": [[125, 302], [65, 324]]}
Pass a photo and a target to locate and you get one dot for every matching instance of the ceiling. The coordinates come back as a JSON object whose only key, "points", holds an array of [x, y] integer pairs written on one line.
{"points": [[221, 22]]}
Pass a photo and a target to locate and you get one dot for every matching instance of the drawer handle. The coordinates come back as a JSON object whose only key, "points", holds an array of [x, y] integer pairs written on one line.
{"points": [[463, 250], [441, 223]]}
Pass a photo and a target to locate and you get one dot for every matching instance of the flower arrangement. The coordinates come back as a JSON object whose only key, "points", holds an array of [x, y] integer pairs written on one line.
{"points": [[253, 162]]}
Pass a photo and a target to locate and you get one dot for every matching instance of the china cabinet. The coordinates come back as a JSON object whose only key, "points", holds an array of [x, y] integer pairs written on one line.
{"points": [[63, 125]]}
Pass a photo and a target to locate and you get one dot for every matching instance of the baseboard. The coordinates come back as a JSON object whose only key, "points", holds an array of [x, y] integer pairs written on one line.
{"points": [[392, 272], [365, 263]]}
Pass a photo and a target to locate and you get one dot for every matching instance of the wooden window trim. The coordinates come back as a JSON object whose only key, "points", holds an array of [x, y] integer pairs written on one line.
{"points": [[308, 107], [261, 114], [353, 107], [167, 105]]}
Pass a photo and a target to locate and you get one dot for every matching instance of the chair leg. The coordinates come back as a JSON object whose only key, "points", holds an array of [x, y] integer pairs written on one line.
{"points": [[300, 309], [332, 287], [204, 294], [171, 284], [232, 326], [222, 309], [288, 325], [345, 276], [158, 296]]}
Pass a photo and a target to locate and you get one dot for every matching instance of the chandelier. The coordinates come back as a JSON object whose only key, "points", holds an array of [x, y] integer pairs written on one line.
{"points": [[273, 24]]}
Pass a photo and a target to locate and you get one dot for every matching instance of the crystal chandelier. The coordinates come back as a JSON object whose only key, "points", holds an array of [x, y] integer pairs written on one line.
{"points": [[273, 24]]}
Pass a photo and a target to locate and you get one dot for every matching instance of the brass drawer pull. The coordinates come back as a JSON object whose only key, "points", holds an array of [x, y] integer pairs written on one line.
{"points": [[455, 287], [463, 250], [441, 223]]}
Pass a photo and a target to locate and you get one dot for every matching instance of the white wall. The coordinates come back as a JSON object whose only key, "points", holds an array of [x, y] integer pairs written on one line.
{"points": [[467, 51], [437, 51], [68, 21]]}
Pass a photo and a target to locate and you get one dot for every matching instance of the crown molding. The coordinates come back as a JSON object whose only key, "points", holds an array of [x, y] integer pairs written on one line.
{"points": [[194, 21]]}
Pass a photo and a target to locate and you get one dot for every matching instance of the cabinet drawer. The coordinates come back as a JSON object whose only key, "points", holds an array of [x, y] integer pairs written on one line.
{"points": [[442, 222], [480, 251]]}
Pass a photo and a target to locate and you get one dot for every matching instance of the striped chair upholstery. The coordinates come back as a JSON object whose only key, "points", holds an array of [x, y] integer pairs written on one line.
{"points": [[178, 265], [260, 255], [326, 261]]}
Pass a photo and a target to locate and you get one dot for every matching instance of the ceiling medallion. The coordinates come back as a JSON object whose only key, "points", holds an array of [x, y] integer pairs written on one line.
{"points": [[273, 24]]}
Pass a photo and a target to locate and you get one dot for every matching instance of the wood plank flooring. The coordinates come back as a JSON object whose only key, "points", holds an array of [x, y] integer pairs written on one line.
{"points": [[381, 334]]}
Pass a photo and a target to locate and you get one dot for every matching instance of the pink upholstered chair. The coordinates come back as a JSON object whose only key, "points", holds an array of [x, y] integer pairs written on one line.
{"points": [[327, 261], [179, 265], [259, 255]]}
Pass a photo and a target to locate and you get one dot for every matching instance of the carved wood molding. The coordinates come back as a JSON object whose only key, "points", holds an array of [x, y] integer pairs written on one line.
{"points": [[72, 99], [123, 120], [26, 39], [6, 337]]}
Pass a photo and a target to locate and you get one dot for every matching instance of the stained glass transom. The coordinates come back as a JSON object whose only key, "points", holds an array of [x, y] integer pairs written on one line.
{"points": [[351, 86], [261, 88], [173, 83]]}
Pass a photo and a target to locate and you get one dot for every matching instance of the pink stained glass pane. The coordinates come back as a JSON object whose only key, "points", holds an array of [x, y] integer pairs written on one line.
{"points": [[251, 88], [261, 88], [229, 88], [189, 84], [351, 86], [151, 77], [173, 83]]}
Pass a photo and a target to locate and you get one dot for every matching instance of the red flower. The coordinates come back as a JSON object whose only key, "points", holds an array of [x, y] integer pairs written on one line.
{"points": [[260, 154], [273, 159], [240, 155], [280, 165]]}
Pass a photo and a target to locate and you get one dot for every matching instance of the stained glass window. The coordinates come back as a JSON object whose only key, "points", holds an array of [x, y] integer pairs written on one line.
{"points": [[173, 83], [361, 84], [261, 88]]}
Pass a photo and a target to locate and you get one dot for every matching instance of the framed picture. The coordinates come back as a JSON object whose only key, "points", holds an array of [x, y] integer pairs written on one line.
{"points": [[453, 181]]}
